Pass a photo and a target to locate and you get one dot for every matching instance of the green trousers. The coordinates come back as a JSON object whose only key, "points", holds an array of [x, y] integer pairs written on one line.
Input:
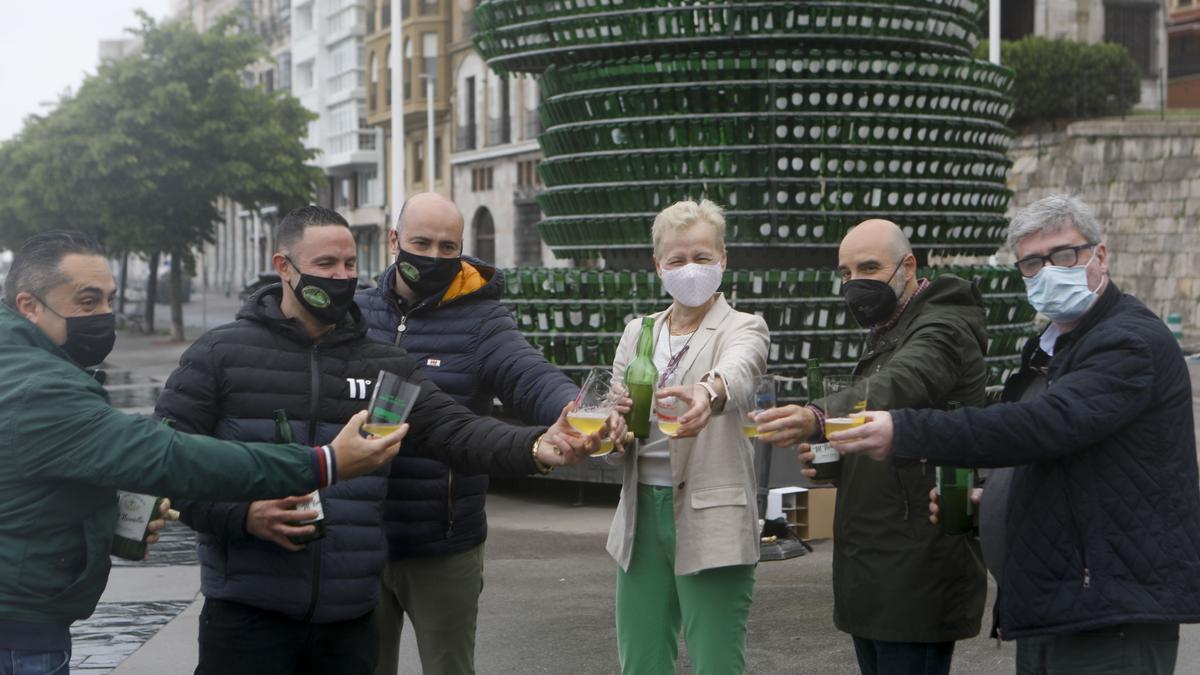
{"points": [[653, 603]]}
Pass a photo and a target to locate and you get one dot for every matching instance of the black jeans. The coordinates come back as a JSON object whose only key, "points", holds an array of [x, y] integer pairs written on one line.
{"points": [[1143, 648], [876, 657], [237, 638]]}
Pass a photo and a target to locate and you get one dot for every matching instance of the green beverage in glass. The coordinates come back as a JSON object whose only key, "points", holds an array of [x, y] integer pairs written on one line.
{"points": [[640, 377]]}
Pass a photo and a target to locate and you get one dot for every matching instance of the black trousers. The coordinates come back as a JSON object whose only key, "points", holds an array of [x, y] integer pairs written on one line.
{"points": [[237, 639], [876, 657], [1145, 649]]}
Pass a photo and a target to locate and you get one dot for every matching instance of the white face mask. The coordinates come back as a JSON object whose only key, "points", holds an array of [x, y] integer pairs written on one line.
{"points": [[1061, 293], [692, 285]]}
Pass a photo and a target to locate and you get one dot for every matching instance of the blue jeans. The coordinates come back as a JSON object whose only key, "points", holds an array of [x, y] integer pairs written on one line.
{"points": [[876, 657], [18, 662]]}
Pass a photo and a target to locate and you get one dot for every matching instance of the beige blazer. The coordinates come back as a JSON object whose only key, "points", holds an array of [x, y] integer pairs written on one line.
{"points": [[716, 513]]}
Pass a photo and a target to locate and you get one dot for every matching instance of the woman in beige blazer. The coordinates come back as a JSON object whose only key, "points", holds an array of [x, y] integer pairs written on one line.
{"points": [[685, 533]]}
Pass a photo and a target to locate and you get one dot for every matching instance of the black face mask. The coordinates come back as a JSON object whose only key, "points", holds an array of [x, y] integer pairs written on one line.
{"points": [[871, 301], [326, 299], [90, 337], [425, 275]]}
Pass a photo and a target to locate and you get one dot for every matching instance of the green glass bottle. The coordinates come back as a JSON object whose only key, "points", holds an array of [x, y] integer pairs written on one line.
{"points": [[827, 462], [283, 434], [954, 484], [135, 511], [640, 378]]}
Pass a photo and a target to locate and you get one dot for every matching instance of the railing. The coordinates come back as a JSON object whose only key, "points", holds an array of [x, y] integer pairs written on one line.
{"points": [[352, 141], [533, 125], [466, 138], [499, 130], [347, 80]]}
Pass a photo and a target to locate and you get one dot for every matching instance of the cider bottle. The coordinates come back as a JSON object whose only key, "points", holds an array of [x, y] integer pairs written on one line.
{"points": [[640, 378], [283, 434], [134, 513]]}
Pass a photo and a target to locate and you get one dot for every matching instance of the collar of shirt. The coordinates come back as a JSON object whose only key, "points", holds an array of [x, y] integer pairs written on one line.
{"points": [[884, 327], [1049, 338]]}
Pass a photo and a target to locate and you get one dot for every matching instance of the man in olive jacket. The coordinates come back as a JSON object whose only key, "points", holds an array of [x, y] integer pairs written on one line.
{"points": [[66, 450], [904, 590]]}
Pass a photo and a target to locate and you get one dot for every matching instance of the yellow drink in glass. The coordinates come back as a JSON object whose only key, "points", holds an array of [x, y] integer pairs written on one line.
{"points": [[379, 429], [836, 424], [669, 428], [589, 422]]}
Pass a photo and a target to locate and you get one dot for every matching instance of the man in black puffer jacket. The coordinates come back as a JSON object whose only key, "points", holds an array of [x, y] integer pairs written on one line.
{"points": [[445, 311], [273, 606], [1099, 558]]}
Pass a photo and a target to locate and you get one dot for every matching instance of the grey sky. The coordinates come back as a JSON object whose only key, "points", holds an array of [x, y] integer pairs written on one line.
{"points": [[46, 47]]}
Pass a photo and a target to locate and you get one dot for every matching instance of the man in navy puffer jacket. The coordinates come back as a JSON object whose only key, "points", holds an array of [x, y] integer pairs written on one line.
{"points": [[1096, 542], [273, 606], [445, 311]]}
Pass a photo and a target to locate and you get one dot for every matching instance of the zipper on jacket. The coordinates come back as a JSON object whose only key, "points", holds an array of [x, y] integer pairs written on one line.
{"points": [[400, 329], [449, 503], [903, 492], [314, 367]]}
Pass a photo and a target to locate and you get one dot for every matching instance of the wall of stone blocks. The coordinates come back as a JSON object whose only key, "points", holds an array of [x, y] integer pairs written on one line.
{"points": [[1142, 178]]}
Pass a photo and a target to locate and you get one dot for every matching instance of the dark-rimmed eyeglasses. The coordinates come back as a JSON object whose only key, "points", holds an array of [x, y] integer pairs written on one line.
{"points": [[1067, 256]]}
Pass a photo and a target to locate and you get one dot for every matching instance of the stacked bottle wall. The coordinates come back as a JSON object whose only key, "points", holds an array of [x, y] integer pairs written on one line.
{"points": [[800, 119]]}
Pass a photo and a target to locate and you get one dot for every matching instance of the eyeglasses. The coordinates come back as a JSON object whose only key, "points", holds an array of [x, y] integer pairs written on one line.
{"points": [[1062, 257]]}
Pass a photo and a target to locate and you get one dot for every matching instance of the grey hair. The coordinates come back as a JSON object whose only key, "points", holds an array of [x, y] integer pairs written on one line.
{"points": [[1051, 215]]}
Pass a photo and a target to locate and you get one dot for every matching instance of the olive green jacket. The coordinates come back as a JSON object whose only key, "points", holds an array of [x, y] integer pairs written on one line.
{"points": [[66, 450], [896, 577]]}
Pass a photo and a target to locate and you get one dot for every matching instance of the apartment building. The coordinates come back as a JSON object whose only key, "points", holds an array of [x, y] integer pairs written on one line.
{"points": [[1183, 53], [1137, 24]]}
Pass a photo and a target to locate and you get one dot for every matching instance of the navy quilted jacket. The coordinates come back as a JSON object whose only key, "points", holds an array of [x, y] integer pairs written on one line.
{"points": [[1103, 523], [467, 343], [227, 385]]}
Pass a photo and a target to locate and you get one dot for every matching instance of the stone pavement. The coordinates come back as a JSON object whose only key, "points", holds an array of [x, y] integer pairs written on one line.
{"points": [[547, 605]]}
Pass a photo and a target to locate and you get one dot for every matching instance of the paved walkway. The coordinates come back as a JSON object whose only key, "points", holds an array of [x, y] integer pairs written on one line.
{"points": [[547, 605]]}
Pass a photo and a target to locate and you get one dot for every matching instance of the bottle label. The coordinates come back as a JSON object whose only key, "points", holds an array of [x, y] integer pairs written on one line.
{"points": [[313, 504], [825, 454], [134, 513]]}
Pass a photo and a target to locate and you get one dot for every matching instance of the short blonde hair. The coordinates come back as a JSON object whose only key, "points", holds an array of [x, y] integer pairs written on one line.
{"points": [[683, 215]]}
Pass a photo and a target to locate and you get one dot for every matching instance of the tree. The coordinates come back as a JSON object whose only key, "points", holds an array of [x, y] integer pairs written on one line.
{"points": [[141, 154]]}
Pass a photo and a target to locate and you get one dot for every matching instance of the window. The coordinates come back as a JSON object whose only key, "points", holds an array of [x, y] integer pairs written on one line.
{"points": [[481, 179], [505, 113], [437, 158], [268, 80], [373, 83], [304, 18], [466, 135], [408, 56], [1131, 25], [429, 54], [366, 240], [304, 76], [285, 71], [342, 199], [369, 193], [528, 242], [1184, 57], [386, 14], [485, 235], [418, 172], [527, 175], [371, 7], [387, 83], [428, 6]]}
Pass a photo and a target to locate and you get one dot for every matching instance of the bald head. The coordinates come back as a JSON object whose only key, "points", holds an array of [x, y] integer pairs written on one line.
{"points": [[882, 236], [430, 208], [874, 249]]}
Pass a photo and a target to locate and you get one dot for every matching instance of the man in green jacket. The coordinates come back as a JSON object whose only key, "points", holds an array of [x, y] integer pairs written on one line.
{"points": [[902, 589], [66, 450]]}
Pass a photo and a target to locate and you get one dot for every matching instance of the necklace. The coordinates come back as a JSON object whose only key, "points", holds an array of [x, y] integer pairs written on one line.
{"points": [[676, 357]]}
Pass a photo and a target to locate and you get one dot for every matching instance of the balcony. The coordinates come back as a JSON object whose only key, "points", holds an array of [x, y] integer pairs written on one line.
{"points": [[466, 138], [533, 125], [499, 130], [351, 150]]}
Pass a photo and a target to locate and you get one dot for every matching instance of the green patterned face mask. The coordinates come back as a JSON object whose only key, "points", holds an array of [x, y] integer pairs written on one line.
{"points": [[326, 299]]}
